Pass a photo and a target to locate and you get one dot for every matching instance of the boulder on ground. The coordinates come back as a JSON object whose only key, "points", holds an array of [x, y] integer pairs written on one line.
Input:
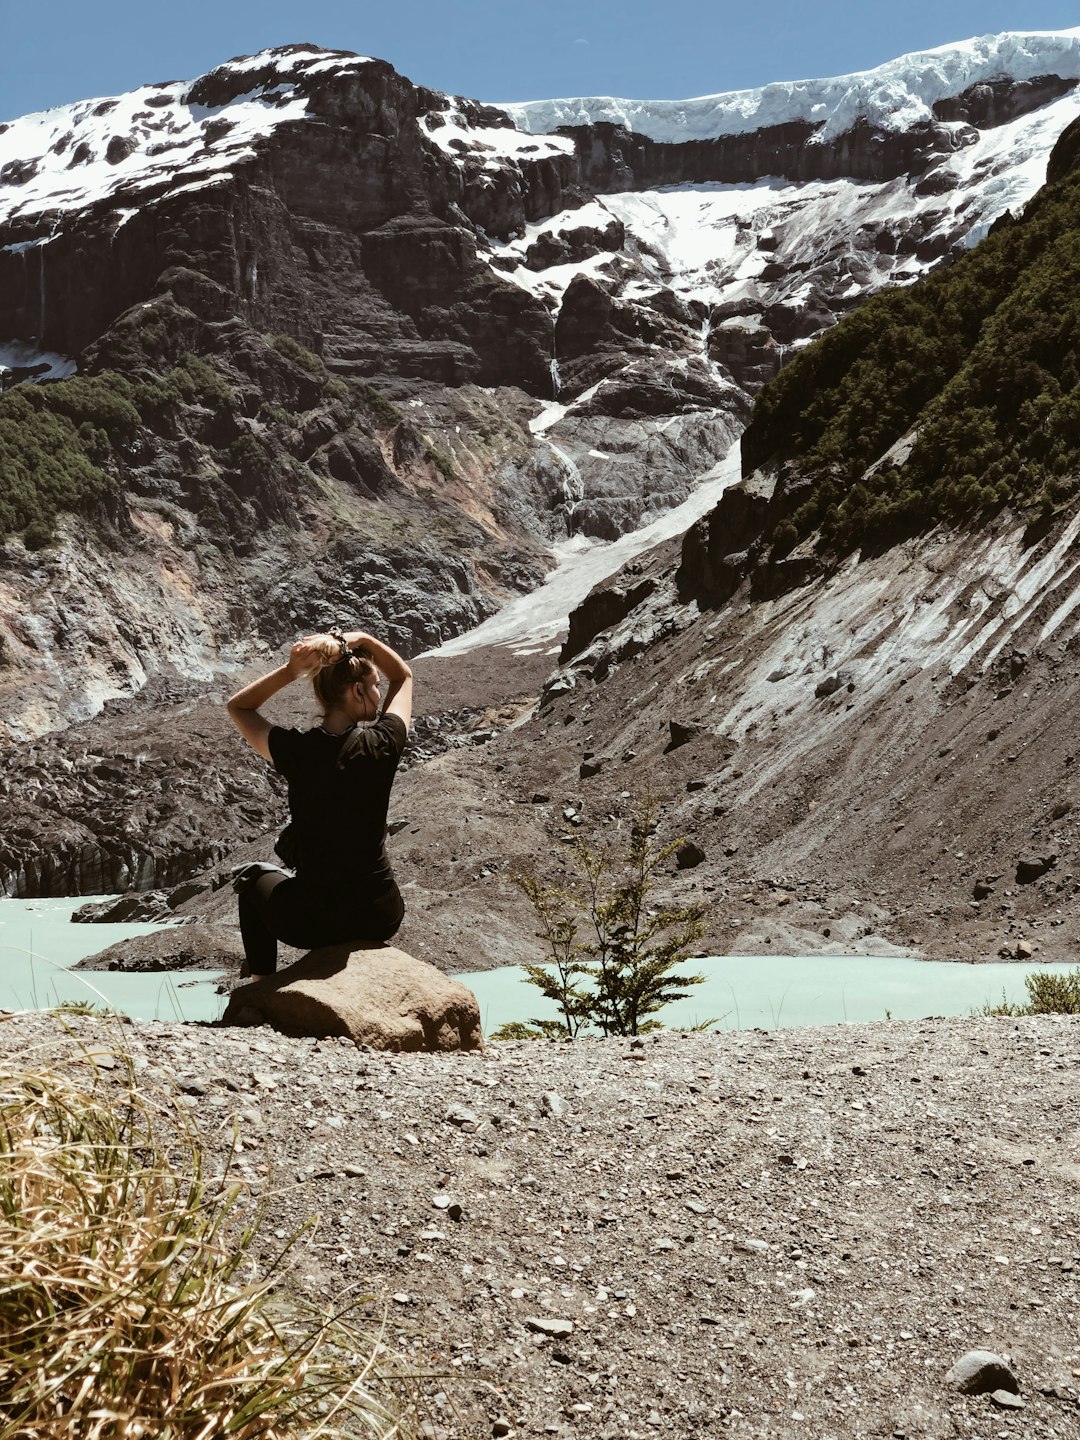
{"points": [[136, 907], [840, 680], [681, 733], [1033, 865], [689, 855], [378, 996], [981, 1371]]}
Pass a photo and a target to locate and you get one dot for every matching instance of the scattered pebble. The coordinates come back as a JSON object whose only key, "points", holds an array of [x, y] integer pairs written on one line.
{"points": [[548, 1325], [684, 1230]]}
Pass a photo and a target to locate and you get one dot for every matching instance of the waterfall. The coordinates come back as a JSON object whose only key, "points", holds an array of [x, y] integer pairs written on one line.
{"points": [[573, 485], [556, 381], [41, 295]]}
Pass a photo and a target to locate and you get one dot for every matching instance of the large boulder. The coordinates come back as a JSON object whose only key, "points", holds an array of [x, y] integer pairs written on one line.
{"points": [[380, 997]]}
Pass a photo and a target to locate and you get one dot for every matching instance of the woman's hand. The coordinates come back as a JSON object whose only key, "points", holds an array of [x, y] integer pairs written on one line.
{"points": [[309, 655]]}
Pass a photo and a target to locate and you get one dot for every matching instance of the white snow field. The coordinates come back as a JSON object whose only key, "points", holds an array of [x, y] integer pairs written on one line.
{"points": [[895, 95]]}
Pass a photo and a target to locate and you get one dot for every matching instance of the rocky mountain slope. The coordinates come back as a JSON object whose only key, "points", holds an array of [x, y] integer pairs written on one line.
{"points": [[503, 336], [391, 394], [864, 723], [854, 679]]}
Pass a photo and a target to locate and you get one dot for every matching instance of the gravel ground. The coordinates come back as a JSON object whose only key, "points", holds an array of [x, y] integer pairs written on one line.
{"points": [[786, 1233]]}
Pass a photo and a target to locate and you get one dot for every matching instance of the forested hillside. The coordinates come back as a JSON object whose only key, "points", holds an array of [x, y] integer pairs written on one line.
{"points": [[977, 365]]}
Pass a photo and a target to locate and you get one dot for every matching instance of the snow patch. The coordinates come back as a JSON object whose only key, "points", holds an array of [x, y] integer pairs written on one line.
{"points": [[493, 144], [703, 241], [551, 413]]}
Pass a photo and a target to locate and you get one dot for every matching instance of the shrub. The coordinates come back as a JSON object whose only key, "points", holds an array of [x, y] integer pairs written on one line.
{"points": [[442, 463], [377, 406], [612, 957], [785, 538], [38, 535], [1053, 994], [45, 469], [155, 400], [122, 1308], [60, 443], [276, 415], [103, 401], [196, 381], [249, 455], [1047, 995], [299, 355]]}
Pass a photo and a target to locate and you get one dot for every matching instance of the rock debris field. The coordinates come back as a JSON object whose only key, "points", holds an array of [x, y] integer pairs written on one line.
{"points": [[792, 1233]]}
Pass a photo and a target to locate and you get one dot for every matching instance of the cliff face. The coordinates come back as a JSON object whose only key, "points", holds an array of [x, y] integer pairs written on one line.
{"points": [[334, 226], [612, 158]]}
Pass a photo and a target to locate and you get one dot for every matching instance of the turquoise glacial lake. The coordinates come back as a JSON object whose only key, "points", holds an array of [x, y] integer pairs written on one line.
{"points": [[38, 944]]}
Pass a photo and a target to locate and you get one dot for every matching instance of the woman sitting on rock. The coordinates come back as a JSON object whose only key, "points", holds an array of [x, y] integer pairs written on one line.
{"points": [[340, 774]]}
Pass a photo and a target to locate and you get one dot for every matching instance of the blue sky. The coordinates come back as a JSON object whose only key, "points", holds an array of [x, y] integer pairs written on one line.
{"points": [[492, 49]]}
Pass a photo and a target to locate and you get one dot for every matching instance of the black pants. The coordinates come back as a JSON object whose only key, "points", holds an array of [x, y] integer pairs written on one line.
{"points": [[277, 906]]}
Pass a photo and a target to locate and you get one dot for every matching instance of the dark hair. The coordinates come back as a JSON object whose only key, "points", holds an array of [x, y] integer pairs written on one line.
{"points": [[331, 682]]}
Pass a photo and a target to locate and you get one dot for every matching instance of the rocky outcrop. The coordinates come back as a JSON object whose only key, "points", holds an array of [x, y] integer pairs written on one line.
{"points": [[615, 158], [197, 947], [300, 242], [604, 606], [748, 536], [135, 818], [612, 158], [273, 500], [996, 102], [379, 997]]}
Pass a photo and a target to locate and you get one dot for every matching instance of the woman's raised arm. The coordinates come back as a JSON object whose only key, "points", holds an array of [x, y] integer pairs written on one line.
{"points": [[399, 678], [304, 657]]}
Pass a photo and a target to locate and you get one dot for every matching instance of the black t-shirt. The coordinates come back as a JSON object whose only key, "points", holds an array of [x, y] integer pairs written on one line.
{"points": [[339, 791]]}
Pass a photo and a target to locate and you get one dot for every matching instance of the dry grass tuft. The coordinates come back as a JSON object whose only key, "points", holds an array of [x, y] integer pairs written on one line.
{"points": [[124, 1311]]}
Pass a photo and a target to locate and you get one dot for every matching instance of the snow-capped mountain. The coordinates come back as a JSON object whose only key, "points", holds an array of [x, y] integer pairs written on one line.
{"points": [[779, 208], [573, 323]]}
